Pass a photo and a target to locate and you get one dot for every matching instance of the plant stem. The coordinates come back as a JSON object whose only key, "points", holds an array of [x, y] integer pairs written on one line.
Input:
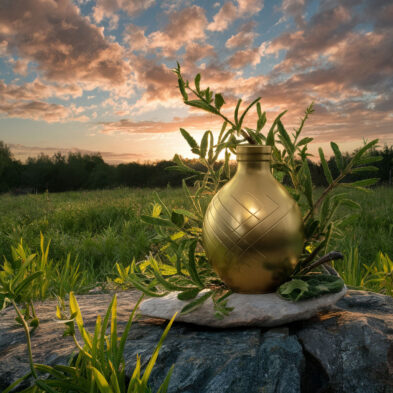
{"points": [[27, 333], [331, 256], [243, 133], [325, 192]]}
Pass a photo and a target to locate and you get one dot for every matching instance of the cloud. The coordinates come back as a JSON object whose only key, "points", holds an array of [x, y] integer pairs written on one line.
{"points": [[192, 123], [226, 15], [185, 26], [229, 12], [107, 8], [295, 9], [157, 82], [196, 52], [36, 110], [245, 57], [26, 101], [65, 46], [134, 37], [37, 90], [244, 38]]}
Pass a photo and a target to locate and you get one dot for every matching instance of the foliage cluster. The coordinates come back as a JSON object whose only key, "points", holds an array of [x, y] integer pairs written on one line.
{"points": [[180, 263], [31, 276], [99, 365]]}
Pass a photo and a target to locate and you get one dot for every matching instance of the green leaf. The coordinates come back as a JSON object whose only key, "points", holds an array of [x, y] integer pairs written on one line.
{"points": [[369, 160], [126, 330], [245, 112], [197, 82], [26, 282], [202, 105], [270, 138], [308, 183], [369, 168], [276, 120], [188, 294], [338, 156], [165, 283], [186, 213], [237, 112], [164, 387], [364, 183], [192, 269], [204, 143], [293, 289], [196, 303], [284, 137], [102, 383], [358, 155], [153, 358], [182, 89], [325, 167], [177, 219], [190, 140], [304, 141], [156, 221], [218, 101], [42, 385]]}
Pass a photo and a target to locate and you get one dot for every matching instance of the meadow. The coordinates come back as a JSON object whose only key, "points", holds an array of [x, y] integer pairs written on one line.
{"points": [[101, 228]]}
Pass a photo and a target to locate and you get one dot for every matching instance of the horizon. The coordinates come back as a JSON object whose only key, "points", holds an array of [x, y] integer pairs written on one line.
{"points": [[95, 76]]}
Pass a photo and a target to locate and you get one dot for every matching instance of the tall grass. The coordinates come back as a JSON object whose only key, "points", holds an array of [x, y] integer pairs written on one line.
{"points": [[101, 228]]}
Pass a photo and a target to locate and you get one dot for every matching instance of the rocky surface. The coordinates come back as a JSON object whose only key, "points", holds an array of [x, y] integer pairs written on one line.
{"points": [[348, 349], [264, 310]]}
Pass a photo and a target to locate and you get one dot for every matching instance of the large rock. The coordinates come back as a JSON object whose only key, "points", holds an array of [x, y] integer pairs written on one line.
{"points": [[348, 349], [263, 310]]}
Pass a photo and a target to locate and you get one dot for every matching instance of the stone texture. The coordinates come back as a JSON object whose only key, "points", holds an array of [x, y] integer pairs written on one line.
{"points": [[267, 310], [348, 349]]}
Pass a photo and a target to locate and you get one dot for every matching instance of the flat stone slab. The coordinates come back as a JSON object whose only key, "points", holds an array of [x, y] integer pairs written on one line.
{"points": [[262, 310]]}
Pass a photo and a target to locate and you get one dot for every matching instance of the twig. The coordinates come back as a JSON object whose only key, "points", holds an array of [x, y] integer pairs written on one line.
{"points": [[331, 256]]}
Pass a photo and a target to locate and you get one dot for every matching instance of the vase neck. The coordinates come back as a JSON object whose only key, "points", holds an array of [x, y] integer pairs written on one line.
{"points": [[254, 166], [253, 158]]}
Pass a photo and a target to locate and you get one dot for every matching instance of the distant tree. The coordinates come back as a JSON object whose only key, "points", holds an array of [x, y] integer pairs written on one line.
{"points": [[10, 169]]}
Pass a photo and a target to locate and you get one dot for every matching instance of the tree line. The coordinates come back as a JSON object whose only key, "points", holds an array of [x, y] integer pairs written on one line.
{"points": [[77, 171]]}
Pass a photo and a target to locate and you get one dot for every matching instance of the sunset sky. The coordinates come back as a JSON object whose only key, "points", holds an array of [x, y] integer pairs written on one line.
{"points": [[96, 76]]}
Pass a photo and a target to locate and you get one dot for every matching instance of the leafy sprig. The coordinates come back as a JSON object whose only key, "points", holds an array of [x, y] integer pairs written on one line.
{"points": [[180, 263]]}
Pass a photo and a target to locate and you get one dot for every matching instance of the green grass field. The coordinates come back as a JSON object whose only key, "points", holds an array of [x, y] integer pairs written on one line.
{"points": [[104, 227]]}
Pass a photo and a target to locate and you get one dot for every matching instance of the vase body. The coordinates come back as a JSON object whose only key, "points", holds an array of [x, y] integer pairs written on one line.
{"points": [[253, 229]]}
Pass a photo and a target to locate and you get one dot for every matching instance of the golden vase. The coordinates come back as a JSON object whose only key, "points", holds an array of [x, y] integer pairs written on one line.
{"points": [[253, 229]]}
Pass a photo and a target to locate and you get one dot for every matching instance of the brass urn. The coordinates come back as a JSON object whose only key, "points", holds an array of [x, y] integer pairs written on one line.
{"points": [[253, 229]]}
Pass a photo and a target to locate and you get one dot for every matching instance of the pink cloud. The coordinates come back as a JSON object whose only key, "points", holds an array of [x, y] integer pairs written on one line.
{"points": [[185, 26], [36, 110], [244, 38], [229, 12], [196, 52], [37, 90], [63, 44], [245, 57], [134, 37], [107, 8]]}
